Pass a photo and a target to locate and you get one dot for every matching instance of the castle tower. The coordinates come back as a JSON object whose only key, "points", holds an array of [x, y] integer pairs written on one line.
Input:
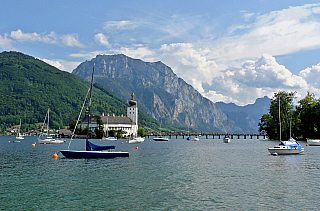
{"points": [[132, 113]]}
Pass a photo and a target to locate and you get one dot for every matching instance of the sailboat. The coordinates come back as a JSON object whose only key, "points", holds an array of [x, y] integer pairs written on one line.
{"points": [[227, 138], [19, 136], [290, 147], [188, 138], [160, 138], [109, 138], [48, 139], [92, 150], [135, 139]]}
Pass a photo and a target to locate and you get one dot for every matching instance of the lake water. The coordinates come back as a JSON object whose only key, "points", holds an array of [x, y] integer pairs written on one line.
{"points": [[174, 175]]}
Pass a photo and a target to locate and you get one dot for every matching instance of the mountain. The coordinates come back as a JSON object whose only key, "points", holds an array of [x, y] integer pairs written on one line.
{"points": [[248, 116], [29, 86], [158, 91]]}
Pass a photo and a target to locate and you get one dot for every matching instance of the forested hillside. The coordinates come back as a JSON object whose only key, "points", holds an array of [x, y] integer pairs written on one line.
{"points": [[29, 86]]}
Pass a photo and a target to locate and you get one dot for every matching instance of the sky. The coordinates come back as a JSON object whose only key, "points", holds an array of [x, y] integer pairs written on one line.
{"points": [[229, 51]]}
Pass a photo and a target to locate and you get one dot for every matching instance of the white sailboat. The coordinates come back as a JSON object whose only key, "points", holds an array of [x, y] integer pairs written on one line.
{"points": [[19, 135], [48, 139], [290, 147], [109, 138], [227, 138]]}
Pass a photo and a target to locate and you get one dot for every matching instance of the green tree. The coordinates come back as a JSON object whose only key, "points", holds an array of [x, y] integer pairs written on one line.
{"points": [[308, 111], [270, 123], [141, 132], [99, 130]]}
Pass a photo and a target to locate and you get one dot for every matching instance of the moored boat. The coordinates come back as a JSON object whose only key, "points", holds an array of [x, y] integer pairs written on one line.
{"points": [[92, 150], [313, 142], [289, 147], [226, 139], [160, 138], [136, 140]]}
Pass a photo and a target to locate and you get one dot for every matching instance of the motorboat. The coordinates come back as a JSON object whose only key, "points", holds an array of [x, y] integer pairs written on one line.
{"points": [[160, 138], [136, 140], [109, 138], [290, 147], [313, 142]]}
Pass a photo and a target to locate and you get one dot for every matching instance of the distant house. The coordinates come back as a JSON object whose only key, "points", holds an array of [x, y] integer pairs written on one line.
{"points": [[128, 124]]}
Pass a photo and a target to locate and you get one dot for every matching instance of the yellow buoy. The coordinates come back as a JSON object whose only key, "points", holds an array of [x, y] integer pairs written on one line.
{"points": [[33, 145], [55, 156]]}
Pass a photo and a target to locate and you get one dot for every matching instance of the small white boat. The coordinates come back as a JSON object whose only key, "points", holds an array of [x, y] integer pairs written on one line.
{"points": [[19, 136], [48, 139], [160, 138], [313, 142], [109, 138], [196, 138], [136, 140], [290, 147], [226, 139]]}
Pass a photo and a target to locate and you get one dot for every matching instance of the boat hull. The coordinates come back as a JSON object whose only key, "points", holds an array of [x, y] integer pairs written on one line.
{"points": [[313, 142], [109, 139], [136, 140], [93, 154], [50, 141], [160, 139], [283, 151], [226, 140]]}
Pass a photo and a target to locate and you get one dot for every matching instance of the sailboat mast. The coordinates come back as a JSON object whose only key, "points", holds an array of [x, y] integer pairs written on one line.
{"points": [[48, 123], [90, 102], [279, 116]]}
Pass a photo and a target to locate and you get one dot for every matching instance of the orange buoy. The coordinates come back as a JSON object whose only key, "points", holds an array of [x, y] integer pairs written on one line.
{"points": [[137, 148], [306, 144], [121, 142], [99, 139], [54, 155], [126, 141], [8, 141], [33, 145]]}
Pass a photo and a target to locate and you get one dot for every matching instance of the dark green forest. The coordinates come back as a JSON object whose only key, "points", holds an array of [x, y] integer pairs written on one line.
{"points": [[29, 86], [303, 118]]}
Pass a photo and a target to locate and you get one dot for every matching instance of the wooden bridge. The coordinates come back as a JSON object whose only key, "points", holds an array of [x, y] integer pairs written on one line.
{"points": [[212, 135]]}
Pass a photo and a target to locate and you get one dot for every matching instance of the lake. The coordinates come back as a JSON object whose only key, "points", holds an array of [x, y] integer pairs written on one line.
{"points": [[174, 175]]}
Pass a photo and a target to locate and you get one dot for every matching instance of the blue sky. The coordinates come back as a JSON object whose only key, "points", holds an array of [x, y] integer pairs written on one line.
{"points": [[230, 51]]}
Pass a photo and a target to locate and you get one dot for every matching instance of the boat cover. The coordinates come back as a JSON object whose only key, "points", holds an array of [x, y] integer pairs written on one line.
{"points": [[93, 147], [291, 144]]}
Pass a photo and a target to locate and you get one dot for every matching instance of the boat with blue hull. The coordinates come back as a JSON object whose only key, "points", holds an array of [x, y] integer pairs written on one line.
{"points": [[92, 150]]}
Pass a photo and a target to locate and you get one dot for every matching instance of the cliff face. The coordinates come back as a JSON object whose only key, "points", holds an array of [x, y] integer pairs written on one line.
{"points": [[158, 92], [247, 116]]}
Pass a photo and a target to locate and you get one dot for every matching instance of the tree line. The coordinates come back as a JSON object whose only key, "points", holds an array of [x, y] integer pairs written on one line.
{"points": [[300, 121]]}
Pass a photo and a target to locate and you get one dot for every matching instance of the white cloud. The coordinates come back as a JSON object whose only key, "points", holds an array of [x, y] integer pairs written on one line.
{"points": [[71, 40], [18, 35], [136, 51], [101, 39], [276, 33], [54, 63], [189, 64], [61, 64], [119, 25], [51, 38], [5, 42], [312, 75]]}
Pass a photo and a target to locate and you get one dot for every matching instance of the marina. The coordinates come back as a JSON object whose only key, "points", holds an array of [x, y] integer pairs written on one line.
{"points": [[174, 175]]}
